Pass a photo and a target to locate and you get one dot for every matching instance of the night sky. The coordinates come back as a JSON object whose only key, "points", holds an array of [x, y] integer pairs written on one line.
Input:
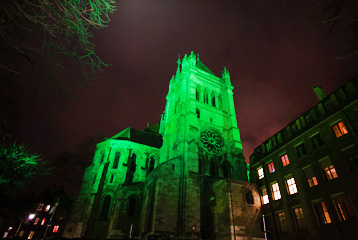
{"points": [[276, 51]]}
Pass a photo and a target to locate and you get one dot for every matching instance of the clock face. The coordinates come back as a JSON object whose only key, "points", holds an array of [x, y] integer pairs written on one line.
{"points": [[211, 141]]}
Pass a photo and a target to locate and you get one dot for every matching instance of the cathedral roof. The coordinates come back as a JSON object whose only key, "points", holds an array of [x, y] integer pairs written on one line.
{"points": [[201, 66], [149, 138]]}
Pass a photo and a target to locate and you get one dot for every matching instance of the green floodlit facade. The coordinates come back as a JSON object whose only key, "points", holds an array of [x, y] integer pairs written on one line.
{"points": [[184, 177]]}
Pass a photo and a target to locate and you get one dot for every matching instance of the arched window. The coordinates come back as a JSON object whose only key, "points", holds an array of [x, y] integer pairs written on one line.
{"points": [[206, 97], [116, 160], [213, 100], [105, 208], [213, 170], [151, 165], [132, 167], [220, 105], [132, 207], [197, 92], [226, 170], [133, 163], [197, 113], [250, 198]]}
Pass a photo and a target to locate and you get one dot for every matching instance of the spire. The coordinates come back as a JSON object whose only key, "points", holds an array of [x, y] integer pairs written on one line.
{"points": [[226, 76], [178, 69], [162, 125]]}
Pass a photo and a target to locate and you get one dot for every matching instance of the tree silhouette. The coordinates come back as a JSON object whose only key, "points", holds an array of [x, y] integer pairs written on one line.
{"points": [[52, 35]]}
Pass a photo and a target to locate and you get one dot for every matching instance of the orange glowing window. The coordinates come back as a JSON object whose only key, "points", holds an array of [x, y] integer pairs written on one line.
{"points": [[285, 161], [339, 129], [282, 221], [39, 207], [299, 217], [311, 178], [322, 213], [271, 167], [330, 172], [31, 235], [43, 221], [344, 207], [312, 182], [36, 221], [55, 228]]}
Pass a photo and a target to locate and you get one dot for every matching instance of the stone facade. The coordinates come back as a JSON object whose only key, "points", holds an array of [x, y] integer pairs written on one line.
{"points": [[183, 178], [319, 152]]}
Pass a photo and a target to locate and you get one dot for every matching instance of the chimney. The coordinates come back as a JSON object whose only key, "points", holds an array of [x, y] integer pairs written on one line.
{"points": [[319, 92]]}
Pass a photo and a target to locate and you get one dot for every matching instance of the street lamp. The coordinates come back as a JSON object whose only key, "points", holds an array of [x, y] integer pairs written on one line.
{"points": [[31, 216]]}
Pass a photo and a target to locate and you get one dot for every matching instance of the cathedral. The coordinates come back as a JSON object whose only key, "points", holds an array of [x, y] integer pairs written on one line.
{"points": [[184, 178]]}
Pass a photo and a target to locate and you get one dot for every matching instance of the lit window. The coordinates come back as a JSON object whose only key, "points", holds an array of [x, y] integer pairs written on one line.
{"points": [[328, 168], [43, 221], [330, 172], [291, 186], [271, 167], [36, 221], [31, 235], [301, 150], [353, 161], [300, 221], [40, 206], [339, 129], [322, 213], [316, 141], [21, 233], [260, 172], [312, 181], [282, 221], [311, 178], [47, 208], [284, 159], [276, 195], [265, 198], [344, 208], [55, 228]]}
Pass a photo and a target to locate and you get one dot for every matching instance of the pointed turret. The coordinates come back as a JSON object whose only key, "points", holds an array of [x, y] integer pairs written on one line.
{"points": [[178, 69], [226, 76]]}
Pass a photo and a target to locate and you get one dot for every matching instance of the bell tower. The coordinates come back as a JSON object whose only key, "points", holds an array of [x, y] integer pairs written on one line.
{"points": [[199, 124]]}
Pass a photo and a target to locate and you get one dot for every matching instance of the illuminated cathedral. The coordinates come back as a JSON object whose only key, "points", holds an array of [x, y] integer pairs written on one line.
{"points": [[182, 178]]}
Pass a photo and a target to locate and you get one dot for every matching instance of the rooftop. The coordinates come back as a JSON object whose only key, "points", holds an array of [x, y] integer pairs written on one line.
{"points": [[149, 136], [326, 107]]}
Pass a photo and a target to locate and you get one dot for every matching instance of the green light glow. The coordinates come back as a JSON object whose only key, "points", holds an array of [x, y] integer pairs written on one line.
{"points": [[17, 165]]}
